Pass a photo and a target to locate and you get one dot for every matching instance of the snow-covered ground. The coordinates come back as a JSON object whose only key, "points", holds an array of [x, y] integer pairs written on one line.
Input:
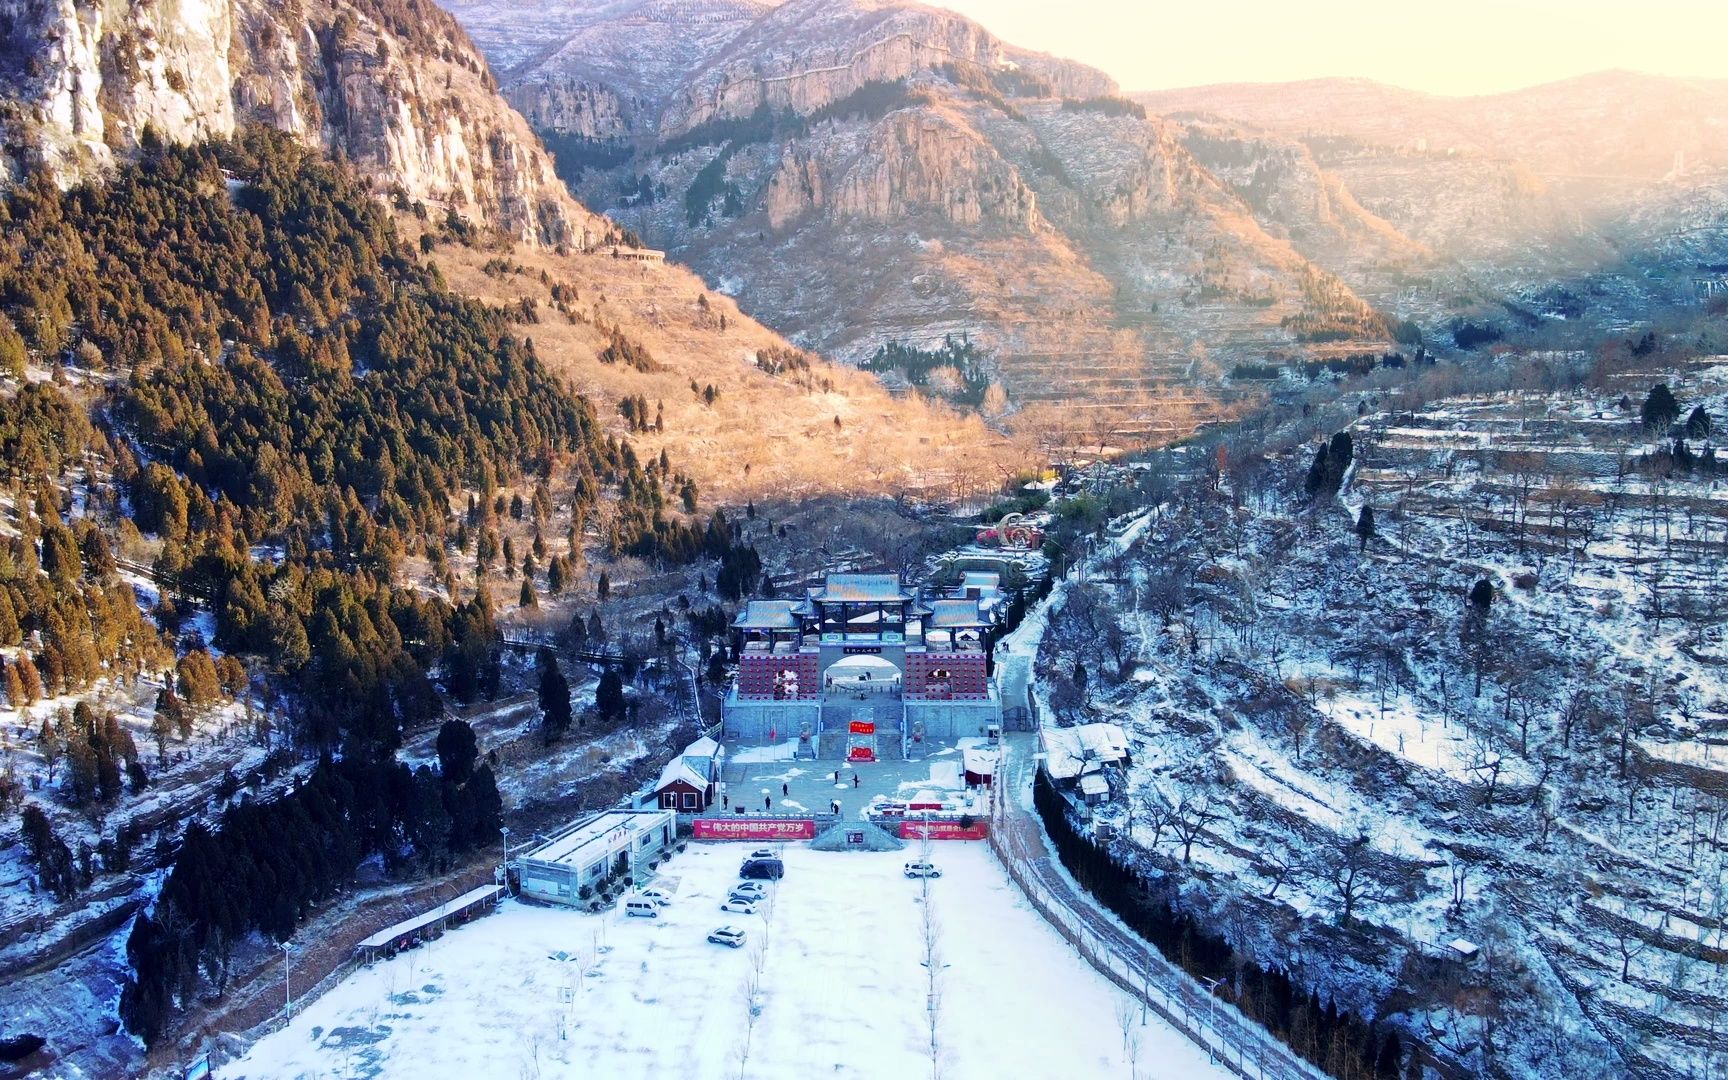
{"points": [[837, 962]]}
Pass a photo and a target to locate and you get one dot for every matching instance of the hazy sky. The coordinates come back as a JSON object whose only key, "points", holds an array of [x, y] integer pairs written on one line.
{"points": [[1453, 47]]}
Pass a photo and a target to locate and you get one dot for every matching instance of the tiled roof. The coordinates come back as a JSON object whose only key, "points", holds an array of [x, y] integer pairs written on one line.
{"points": [[767, 615], [1075, 750], [954, 613], [862, 588]]}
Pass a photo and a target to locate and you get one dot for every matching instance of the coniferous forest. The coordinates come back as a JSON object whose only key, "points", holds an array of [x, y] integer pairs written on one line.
{"points": [[250, 366]]}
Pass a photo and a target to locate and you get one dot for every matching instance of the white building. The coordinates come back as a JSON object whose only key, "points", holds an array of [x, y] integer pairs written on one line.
{"points": [[605, 846]]}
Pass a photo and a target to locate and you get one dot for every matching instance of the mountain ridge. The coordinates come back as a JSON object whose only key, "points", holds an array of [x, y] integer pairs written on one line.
{"points": [[396, 88], [864, 173]]}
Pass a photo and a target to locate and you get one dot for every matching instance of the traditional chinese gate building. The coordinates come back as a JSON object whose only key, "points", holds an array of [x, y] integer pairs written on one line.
{"points": [[861, 666]]}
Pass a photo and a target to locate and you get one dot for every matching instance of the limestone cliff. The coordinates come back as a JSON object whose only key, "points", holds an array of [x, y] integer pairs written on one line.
{"points": [[863, 171], [810, 53], [395, 87], [918, 161], [569, 106]]}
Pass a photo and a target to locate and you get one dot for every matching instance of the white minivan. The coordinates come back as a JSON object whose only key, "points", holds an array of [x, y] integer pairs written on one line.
{"points": [[641, 909]]}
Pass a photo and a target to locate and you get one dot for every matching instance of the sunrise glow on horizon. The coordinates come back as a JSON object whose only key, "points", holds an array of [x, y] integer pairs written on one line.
{"points": [[1460, 48]]}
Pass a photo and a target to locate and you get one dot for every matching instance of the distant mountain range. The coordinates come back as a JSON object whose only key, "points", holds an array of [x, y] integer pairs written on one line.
{"points": [[858, 172]]}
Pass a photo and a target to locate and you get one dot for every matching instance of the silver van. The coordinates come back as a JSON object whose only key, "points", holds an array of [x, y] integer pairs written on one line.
{"points": [[641, 909]]}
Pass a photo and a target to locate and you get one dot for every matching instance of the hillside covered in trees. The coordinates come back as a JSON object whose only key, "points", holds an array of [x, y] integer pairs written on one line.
{"points": [[225, 376]]}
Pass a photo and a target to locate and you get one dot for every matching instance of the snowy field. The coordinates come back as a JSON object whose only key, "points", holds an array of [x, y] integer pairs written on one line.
{"points": [[842, 988]]}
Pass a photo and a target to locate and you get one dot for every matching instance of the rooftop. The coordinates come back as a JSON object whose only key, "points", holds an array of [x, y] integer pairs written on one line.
{"points": [[978, 760], [981, 579], [428, 918], [1069, 752], [695, 766], [612, 828], [767, 615], [862, 588], [954, 613], [682, 768]]}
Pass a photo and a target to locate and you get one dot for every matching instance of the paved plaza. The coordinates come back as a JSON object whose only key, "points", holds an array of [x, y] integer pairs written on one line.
{"points": [[794, 786]]}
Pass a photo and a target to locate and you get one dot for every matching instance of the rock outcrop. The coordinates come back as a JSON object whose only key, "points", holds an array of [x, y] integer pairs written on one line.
{"points": [[861, 171], [398, 89], [811, 53], [571, 106], [920, 160]]}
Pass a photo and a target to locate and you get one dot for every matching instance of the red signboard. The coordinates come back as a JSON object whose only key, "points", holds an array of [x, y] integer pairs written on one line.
{"points": [[754, 828], [862, 727], [861, 753], [912, 829]]}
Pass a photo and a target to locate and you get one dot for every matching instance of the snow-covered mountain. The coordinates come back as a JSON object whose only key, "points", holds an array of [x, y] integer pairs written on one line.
{"points": [[863, 172]]}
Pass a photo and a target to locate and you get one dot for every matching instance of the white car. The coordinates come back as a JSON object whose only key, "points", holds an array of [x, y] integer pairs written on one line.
{"points": [[729, 936], [739, 905], [763, 853], [753, 889], [922, 869], [655, 896]]}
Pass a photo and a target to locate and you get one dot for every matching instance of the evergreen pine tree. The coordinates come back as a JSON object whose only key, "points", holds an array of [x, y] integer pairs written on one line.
{"points": [[1660, 409], [29, 680], [555, 708], [609, 699], [456, 751], [1365, 525], [1698, 425]]}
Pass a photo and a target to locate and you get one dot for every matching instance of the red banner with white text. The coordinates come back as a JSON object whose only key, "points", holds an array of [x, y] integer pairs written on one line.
{"points": [[745, 828], [912, 829]]}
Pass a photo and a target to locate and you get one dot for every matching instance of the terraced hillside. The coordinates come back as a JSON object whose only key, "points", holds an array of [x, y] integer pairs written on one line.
{"points": [[1496, 714]]}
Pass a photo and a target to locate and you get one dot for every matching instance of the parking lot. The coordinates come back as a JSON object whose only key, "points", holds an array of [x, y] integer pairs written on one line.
{"points": [[831, 982]]}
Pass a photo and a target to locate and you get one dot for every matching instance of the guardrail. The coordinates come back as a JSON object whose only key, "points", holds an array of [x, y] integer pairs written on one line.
{"points": [[1136, 967]]}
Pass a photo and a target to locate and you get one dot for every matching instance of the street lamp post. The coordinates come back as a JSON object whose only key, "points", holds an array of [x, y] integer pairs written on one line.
{"points": [[287, 979], [504, 864]]}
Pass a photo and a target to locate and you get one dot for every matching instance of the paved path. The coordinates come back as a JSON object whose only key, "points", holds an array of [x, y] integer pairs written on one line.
{"points": [[1240, 1044]]}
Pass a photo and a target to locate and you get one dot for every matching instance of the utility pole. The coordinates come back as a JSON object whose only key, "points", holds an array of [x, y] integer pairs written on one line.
{"points": [[504, 865]]}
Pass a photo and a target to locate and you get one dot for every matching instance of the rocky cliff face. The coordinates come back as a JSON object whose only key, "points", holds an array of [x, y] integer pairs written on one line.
{"points": [[571, 106], [863, 171], [398, 89], [921, 161], [1564, 180], [810, 53]]}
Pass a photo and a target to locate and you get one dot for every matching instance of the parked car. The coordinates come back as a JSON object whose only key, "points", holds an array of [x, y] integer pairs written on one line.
{"points": [[739, 905], [920, 869], [641, 909], [656, 896], [755, 890], [763, 853], [729, 936], [770, 869]]}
